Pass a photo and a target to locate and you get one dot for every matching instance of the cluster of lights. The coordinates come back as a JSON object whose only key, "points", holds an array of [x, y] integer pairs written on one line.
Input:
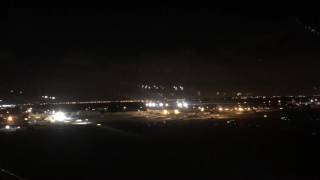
{"points": [[166, 112], [49, 97], [239, 109], [153, 104], [58, 117], [182, 104], [201, 109]]}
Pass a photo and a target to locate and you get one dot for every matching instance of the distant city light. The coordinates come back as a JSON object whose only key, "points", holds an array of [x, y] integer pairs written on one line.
{"points": [[220, 109], [7, 127]]}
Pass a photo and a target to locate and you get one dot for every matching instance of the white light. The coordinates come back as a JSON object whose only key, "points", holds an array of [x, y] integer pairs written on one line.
{"points": [[161, 104], [179, 104], [185, 105], [7, 127], [59, 116], [265, 116], [202, 109], [46, 97], [53, 98], [167, 105], [220, 109], [29, 110], [240, 109], [98, 124], [176, 111]]}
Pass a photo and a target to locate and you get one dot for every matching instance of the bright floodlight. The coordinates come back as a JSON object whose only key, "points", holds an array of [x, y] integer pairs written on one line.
{"points": [[161, 104], [179, 104], [7, 127], [220, 109], [59, 116]]}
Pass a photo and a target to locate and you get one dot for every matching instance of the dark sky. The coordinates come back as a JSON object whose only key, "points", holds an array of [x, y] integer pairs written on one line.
{"points": [[94, 53]]}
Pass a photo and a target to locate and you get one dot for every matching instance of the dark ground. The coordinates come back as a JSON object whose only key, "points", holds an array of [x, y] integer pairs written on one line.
{"points": [[249, 148]]}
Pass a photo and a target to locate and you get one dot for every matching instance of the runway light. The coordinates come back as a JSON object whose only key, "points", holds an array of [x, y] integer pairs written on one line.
{"points": [[240, 109], [176, 111], [7, 127], [220, 109], [29, 110], [202, 109]]}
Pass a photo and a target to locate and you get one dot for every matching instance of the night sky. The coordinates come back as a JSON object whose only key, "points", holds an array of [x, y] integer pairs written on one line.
{"points": [[106, 53]]}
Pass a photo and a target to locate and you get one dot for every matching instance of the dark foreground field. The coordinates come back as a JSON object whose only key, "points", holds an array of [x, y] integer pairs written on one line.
{"points": [[248, 148]]}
